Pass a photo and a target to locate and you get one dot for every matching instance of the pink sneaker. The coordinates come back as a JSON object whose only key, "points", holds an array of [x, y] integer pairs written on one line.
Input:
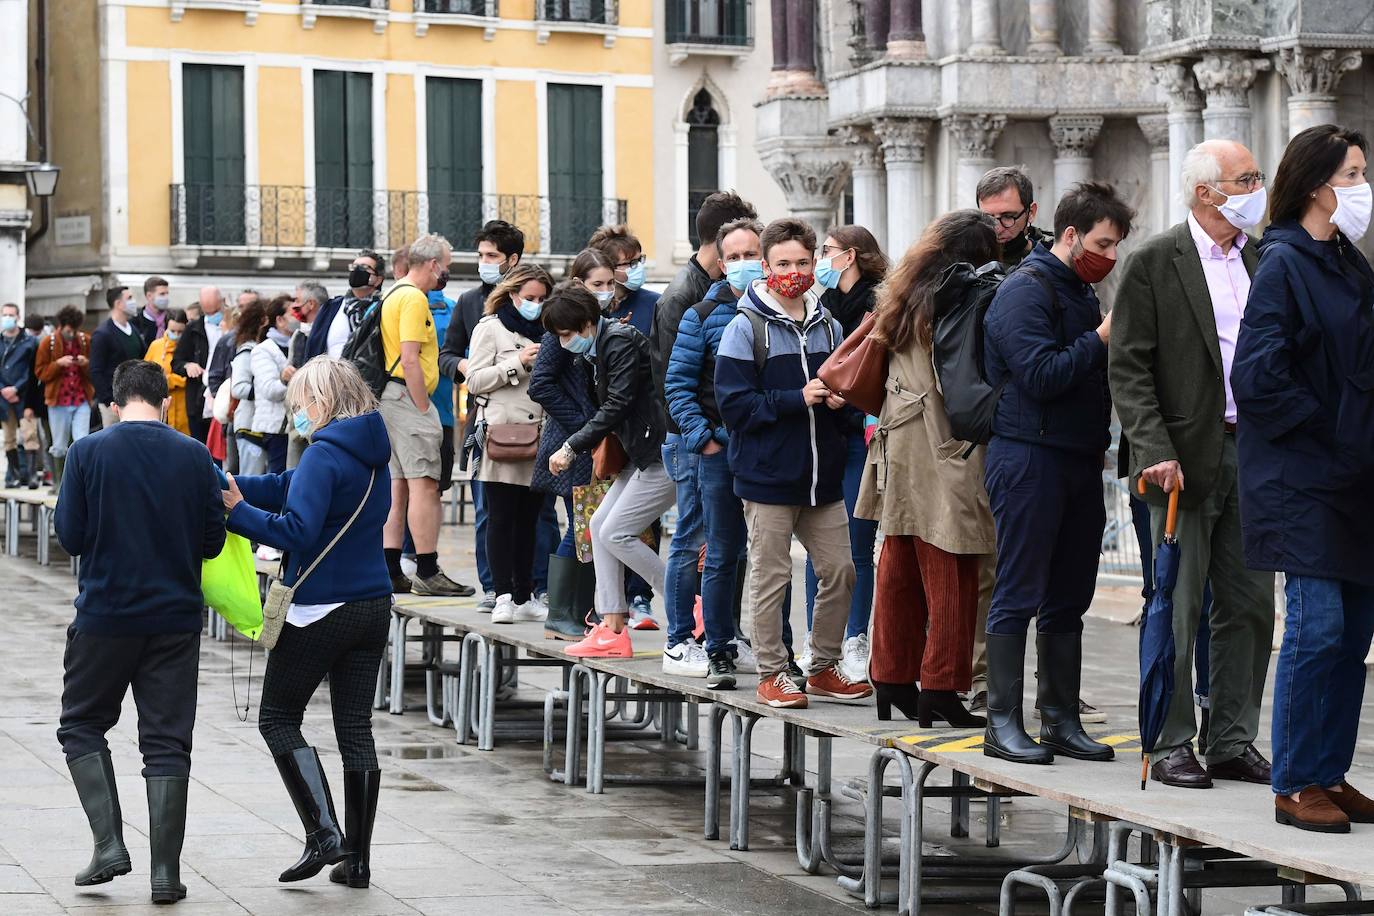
{"points": [[603, 642]]}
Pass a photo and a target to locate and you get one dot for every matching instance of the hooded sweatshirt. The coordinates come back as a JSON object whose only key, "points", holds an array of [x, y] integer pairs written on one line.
{"points": [[301, 510]]}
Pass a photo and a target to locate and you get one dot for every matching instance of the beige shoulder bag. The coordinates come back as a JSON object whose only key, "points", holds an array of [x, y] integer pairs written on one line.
{"points": [[279, 596]]}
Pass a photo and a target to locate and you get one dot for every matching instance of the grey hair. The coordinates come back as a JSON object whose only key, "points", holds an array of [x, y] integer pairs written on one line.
{"points": [[429, 248], [335, 385], [315, 291], [735, 225], [1200, 166], [995, 181]]}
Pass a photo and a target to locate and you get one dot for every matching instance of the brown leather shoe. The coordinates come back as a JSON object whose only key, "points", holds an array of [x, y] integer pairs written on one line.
{"points": [[1250, 766], [1314, 811], [1181, 770], [1357, 807]]}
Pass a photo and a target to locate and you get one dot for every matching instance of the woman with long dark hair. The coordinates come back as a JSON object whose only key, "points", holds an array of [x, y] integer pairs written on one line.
{"points": [[925, 489], [1302, 379], [252, 324]]}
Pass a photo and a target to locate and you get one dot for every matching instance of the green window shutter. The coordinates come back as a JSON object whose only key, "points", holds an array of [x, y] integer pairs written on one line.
{"points": [[574, 141], [213, 156], [343, 159], [453, 110]]}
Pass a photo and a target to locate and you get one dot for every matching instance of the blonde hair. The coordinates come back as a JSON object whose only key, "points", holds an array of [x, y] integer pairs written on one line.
{"points": [[511, 282], [335, 385]]}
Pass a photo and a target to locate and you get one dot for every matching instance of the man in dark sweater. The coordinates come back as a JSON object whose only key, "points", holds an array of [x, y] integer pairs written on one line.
{"points": [[138, 615], [115, 341]]}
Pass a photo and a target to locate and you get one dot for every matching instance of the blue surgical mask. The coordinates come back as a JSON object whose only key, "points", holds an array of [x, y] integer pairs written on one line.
{"points": [[577, 344], [634, 276], [529, 310], [214, 319], [8, 323], [162, 301], [301, 421], [604, 297], [739, 274], [826, 274], [173, 335], [490, 273]]}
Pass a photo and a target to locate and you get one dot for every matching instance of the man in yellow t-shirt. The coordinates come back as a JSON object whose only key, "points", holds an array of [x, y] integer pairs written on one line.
{"points": [[411, 350]]}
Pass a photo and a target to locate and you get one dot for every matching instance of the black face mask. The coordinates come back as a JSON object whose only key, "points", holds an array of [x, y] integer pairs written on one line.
{"points": [[443, 280], [359, 277]]}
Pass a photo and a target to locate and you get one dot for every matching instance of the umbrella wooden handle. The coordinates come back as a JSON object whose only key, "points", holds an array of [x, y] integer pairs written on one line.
{"points": [[1171, 518]]}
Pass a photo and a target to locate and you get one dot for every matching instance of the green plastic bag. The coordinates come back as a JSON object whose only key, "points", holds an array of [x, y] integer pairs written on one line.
{"points": [[229, 583]]}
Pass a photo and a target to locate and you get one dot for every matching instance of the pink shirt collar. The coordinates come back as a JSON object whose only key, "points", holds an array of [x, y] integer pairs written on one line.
{"points": [[1207, 248]]}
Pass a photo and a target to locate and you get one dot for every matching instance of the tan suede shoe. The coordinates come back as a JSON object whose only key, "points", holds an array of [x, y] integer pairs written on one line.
{"points": [[1314, 811], [1357, 807]]}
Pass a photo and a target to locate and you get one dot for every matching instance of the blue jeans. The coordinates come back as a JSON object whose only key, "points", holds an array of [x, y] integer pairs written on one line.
{"points": [[862, 535], [546, 538], [723, 520], [68, 424], [1319, 683], [479, 506], [680, 577]]}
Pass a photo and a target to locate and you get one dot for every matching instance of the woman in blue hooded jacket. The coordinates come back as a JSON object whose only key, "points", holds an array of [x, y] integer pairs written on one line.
{"points": [[326, 516], [1303, 378]]}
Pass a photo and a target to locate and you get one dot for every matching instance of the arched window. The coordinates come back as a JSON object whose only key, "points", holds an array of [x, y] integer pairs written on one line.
{"points": [[703, 157]]}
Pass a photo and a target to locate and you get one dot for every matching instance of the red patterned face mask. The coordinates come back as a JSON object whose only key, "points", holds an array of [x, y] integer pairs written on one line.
{"points": [[792, 285]]}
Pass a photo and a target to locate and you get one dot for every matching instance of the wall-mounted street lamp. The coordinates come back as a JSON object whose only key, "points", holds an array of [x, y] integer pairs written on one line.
{"points": [[42, 178]]}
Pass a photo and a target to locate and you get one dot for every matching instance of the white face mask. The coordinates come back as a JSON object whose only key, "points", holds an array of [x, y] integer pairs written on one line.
{"points": [[1353, 208], [1244, 210]]}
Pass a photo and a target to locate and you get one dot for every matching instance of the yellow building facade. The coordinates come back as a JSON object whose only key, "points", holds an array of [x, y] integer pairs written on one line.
{"points": [[252, 144]]}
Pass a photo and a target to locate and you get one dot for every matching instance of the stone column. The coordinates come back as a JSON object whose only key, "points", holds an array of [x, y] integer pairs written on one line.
{"points": [[1044, 28], [811, 182], [974, 138], [904, 154], [876, 15], [1226, 78], [1102, 27], [1312, 76], [1074, 137], [1185, 127], [870, 181], [794, 49], [1155, 127], [906, 40], [987, 29]]}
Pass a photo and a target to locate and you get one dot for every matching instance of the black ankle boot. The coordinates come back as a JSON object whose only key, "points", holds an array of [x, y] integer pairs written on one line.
{"points": [[1006, 731], [94, 778], [309, 790], [361, 788], [12, 468], [166, 832], [946, 706], [1061, 666], [564, 621], [35, 469], [906, 697]]}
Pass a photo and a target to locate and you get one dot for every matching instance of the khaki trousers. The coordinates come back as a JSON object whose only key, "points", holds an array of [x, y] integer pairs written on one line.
{"points": [[824, 532]]}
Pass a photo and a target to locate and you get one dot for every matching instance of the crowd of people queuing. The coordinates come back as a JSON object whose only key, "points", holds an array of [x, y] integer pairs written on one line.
{"points": [[1244, 364]]}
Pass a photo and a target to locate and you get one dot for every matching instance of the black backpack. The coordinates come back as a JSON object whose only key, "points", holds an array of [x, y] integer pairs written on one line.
{"points": [[960, 303], [364, 348]]}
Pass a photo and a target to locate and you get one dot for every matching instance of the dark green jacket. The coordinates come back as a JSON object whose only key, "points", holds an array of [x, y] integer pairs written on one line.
{"points": [[1164, 364]]}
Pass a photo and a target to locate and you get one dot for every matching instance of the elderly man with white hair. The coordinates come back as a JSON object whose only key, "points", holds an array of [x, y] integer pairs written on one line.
{"points": [[192, 357], [1175, 323]]}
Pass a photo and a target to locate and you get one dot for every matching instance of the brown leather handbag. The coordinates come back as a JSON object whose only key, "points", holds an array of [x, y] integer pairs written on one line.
{"points": [[857, 370], [513, 442], [609, 458]]}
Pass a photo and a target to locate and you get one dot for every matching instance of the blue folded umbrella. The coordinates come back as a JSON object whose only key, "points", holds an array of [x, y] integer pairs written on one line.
{"points": [[1157, 641]]}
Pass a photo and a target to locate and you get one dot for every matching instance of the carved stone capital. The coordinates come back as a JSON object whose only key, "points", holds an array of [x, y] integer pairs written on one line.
{"points": [[1316, 72], [1227, 76], [1176, 79], [1155, 127], [862, 146], [810, 179], [976, 135], [1075, 135], [903, 139]]}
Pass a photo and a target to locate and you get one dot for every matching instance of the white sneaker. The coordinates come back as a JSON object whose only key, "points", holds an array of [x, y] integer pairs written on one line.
{"points": [[687, 659], [807, 658], [504, 612], [854, 658], [530, 610], [746, 662]]}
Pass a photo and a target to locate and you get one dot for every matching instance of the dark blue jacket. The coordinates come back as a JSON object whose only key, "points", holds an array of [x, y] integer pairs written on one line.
{"points": [[1303, 379], [690, 382], [16, 368], [109, 347], [141, 505], [637, 309], [561, 383], [1046, 350], [318, 341], [301, 510], [781, 452]]}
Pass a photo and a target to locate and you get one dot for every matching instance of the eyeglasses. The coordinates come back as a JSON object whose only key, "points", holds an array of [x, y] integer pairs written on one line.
{"points": [[626, 265], [1249, 181], [829, 251], [1009, 220]]}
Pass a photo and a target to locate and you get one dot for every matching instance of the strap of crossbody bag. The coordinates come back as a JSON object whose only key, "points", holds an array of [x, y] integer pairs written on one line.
{"points": [[342, 531]]}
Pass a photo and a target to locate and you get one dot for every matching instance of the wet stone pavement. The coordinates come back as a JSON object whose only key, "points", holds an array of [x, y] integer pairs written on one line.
{"points": [[458, 831]]}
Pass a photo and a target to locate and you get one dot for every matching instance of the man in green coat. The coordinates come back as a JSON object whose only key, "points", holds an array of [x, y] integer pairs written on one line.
{"points": [[1175, 324]]}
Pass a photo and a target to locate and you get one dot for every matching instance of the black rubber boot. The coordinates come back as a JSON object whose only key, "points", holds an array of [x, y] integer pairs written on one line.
{"points": [[166, 831], [1061, 667], [309, 790], [12, 467], [94, 778], [361, 788], [58, 466], [1006, 732], [584, 595], [563, 621]]}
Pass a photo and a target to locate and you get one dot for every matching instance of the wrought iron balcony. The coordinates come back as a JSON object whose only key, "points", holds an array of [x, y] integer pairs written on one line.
{"points": [[724, 23], [486, 8], [593, 12], [289, 220], [377, 11]]}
